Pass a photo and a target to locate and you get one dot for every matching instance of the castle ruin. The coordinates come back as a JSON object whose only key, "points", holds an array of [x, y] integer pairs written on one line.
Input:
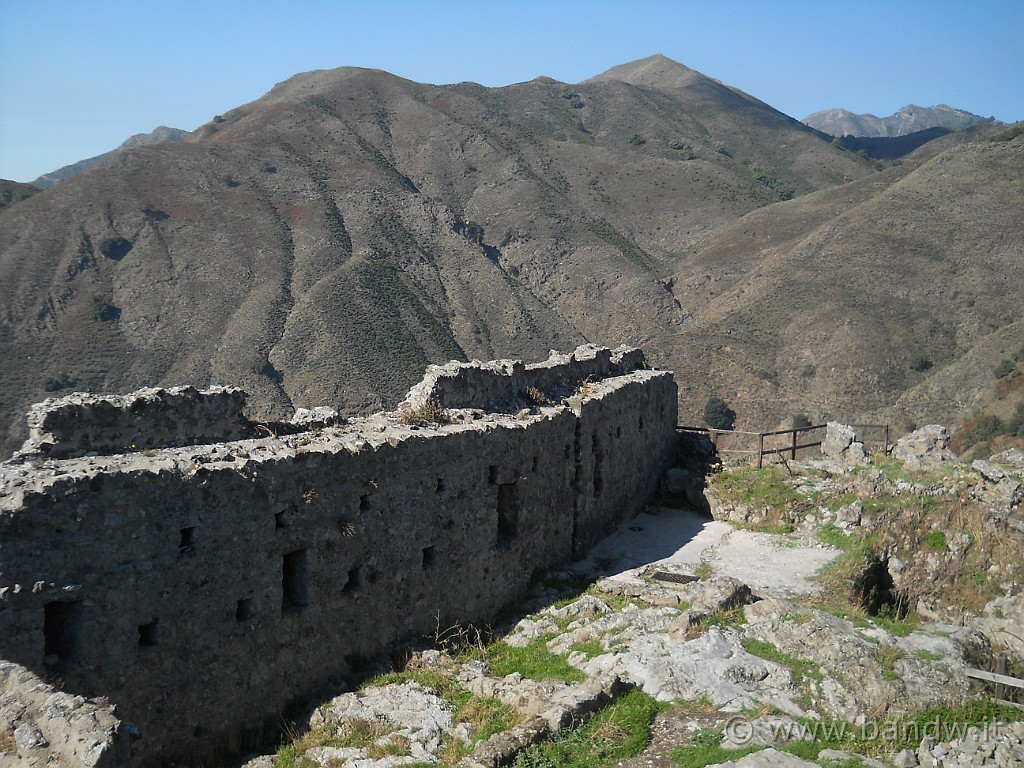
{"points": [[198, 571]]}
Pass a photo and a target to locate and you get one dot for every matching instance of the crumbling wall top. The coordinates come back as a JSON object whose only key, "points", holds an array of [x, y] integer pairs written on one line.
{"points": [[500, 384], [83, 423]]}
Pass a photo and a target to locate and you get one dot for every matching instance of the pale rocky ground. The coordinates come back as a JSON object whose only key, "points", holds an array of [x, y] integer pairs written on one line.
{"points": [[656, 641]]}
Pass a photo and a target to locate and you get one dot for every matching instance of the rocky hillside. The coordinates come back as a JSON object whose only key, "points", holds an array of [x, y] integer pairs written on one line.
{"points": [[12, 192], [321, 245], [904, 121]]}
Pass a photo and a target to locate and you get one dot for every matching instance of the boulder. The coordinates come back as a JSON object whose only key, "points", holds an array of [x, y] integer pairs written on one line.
{"points": [[841, 444], [925, 448]]}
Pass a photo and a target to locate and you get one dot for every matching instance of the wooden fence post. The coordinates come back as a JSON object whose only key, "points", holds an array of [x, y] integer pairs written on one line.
{"points": [[760, 450], [793, 454]]}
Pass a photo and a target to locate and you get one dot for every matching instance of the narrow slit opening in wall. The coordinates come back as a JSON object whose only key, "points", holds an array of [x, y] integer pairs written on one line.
{"points": [[148, 635], [440, 485], [536, 463], [187, 543], [428, 558], [244, 610], [508, 514], [492, 474], [640, 424], [62, 632], [598, 460], [353, 582], [294, 581], [364, 503]]}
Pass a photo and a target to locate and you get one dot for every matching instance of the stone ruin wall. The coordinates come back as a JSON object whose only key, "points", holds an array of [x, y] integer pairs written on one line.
{"points": [[201, 588]]}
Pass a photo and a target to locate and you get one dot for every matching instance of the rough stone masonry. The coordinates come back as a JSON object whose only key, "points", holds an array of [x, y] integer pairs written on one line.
{"points": [[199, 588]]}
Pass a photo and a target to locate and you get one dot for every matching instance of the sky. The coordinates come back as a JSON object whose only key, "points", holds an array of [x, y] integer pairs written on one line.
{"points": [[77, 77]]}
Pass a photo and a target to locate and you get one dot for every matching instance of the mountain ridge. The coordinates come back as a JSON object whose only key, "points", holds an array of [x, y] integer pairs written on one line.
{"points": [[322, 244], [159, 134], [906, 120]]}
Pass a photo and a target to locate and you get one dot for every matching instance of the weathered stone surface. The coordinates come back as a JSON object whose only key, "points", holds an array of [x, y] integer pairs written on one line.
{"points": [[79, 424], [500, 384], [1001, 621], [841, 444], [767, 758], [408, 715], [54, 728], [713, 665], [925, 448], [291, 552]]}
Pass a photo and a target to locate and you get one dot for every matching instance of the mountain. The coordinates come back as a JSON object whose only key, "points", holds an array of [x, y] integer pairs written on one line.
{"points": [[892, 298], [12, 192], [324, 243], [906, 120], [157, 135]]}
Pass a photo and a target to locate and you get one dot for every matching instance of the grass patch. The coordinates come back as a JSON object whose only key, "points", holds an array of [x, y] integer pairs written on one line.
{"points": [[733, 618], [766, 487], [765, 491], [892, 622], [936, 541], [835, 537], [590, 648], [802, 669], [707, 749], [534, 661], [887, 656], [941, 723], [425, 414], [620, 730]]}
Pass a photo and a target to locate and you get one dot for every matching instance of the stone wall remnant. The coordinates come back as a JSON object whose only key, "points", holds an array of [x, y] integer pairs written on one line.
{"points": [[924, 448], [201, 587], [82, 423], [841, 444]]}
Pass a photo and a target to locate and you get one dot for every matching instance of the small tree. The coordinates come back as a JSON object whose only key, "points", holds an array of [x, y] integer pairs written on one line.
{"points": [[801, 420], [104, 311], [718, 414], [1004, 368], [920, 363]]}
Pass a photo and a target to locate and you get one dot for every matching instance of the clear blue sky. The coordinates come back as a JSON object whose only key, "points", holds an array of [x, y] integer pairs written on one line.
{"points": [[77, 77]]}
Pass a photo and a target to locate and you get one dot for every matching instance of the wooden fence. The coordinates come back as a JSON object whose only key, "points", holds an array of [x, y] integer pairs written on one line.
{"points": [[786, 442]]}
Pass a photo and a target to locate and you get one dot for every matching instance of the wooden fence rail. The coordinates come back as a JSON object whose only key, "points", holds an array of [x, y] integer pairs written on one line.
{"points": [[797, 438]]}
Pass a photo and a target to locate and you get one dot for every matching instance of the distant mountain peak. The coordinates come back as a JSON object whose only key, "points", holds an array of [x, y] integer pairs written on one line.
{"points": [[158, 135], [904, 121], [657, 71]]}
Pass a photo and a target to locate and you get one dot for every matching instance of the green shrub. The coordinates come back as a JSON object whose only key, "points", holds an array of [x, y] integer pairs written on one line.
{"points": [[920, 363], [115, 248], [718, 414], [1004, 369], [1016, 423], [59, 382], [936, 541], [637, 140], [104, 311], [620, 730], [985, 428]]}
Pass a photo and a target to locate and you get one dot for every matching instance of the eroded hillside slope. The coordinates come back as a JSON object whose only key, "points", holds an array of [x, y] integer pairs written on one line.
{"points": [[324, 243]]}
